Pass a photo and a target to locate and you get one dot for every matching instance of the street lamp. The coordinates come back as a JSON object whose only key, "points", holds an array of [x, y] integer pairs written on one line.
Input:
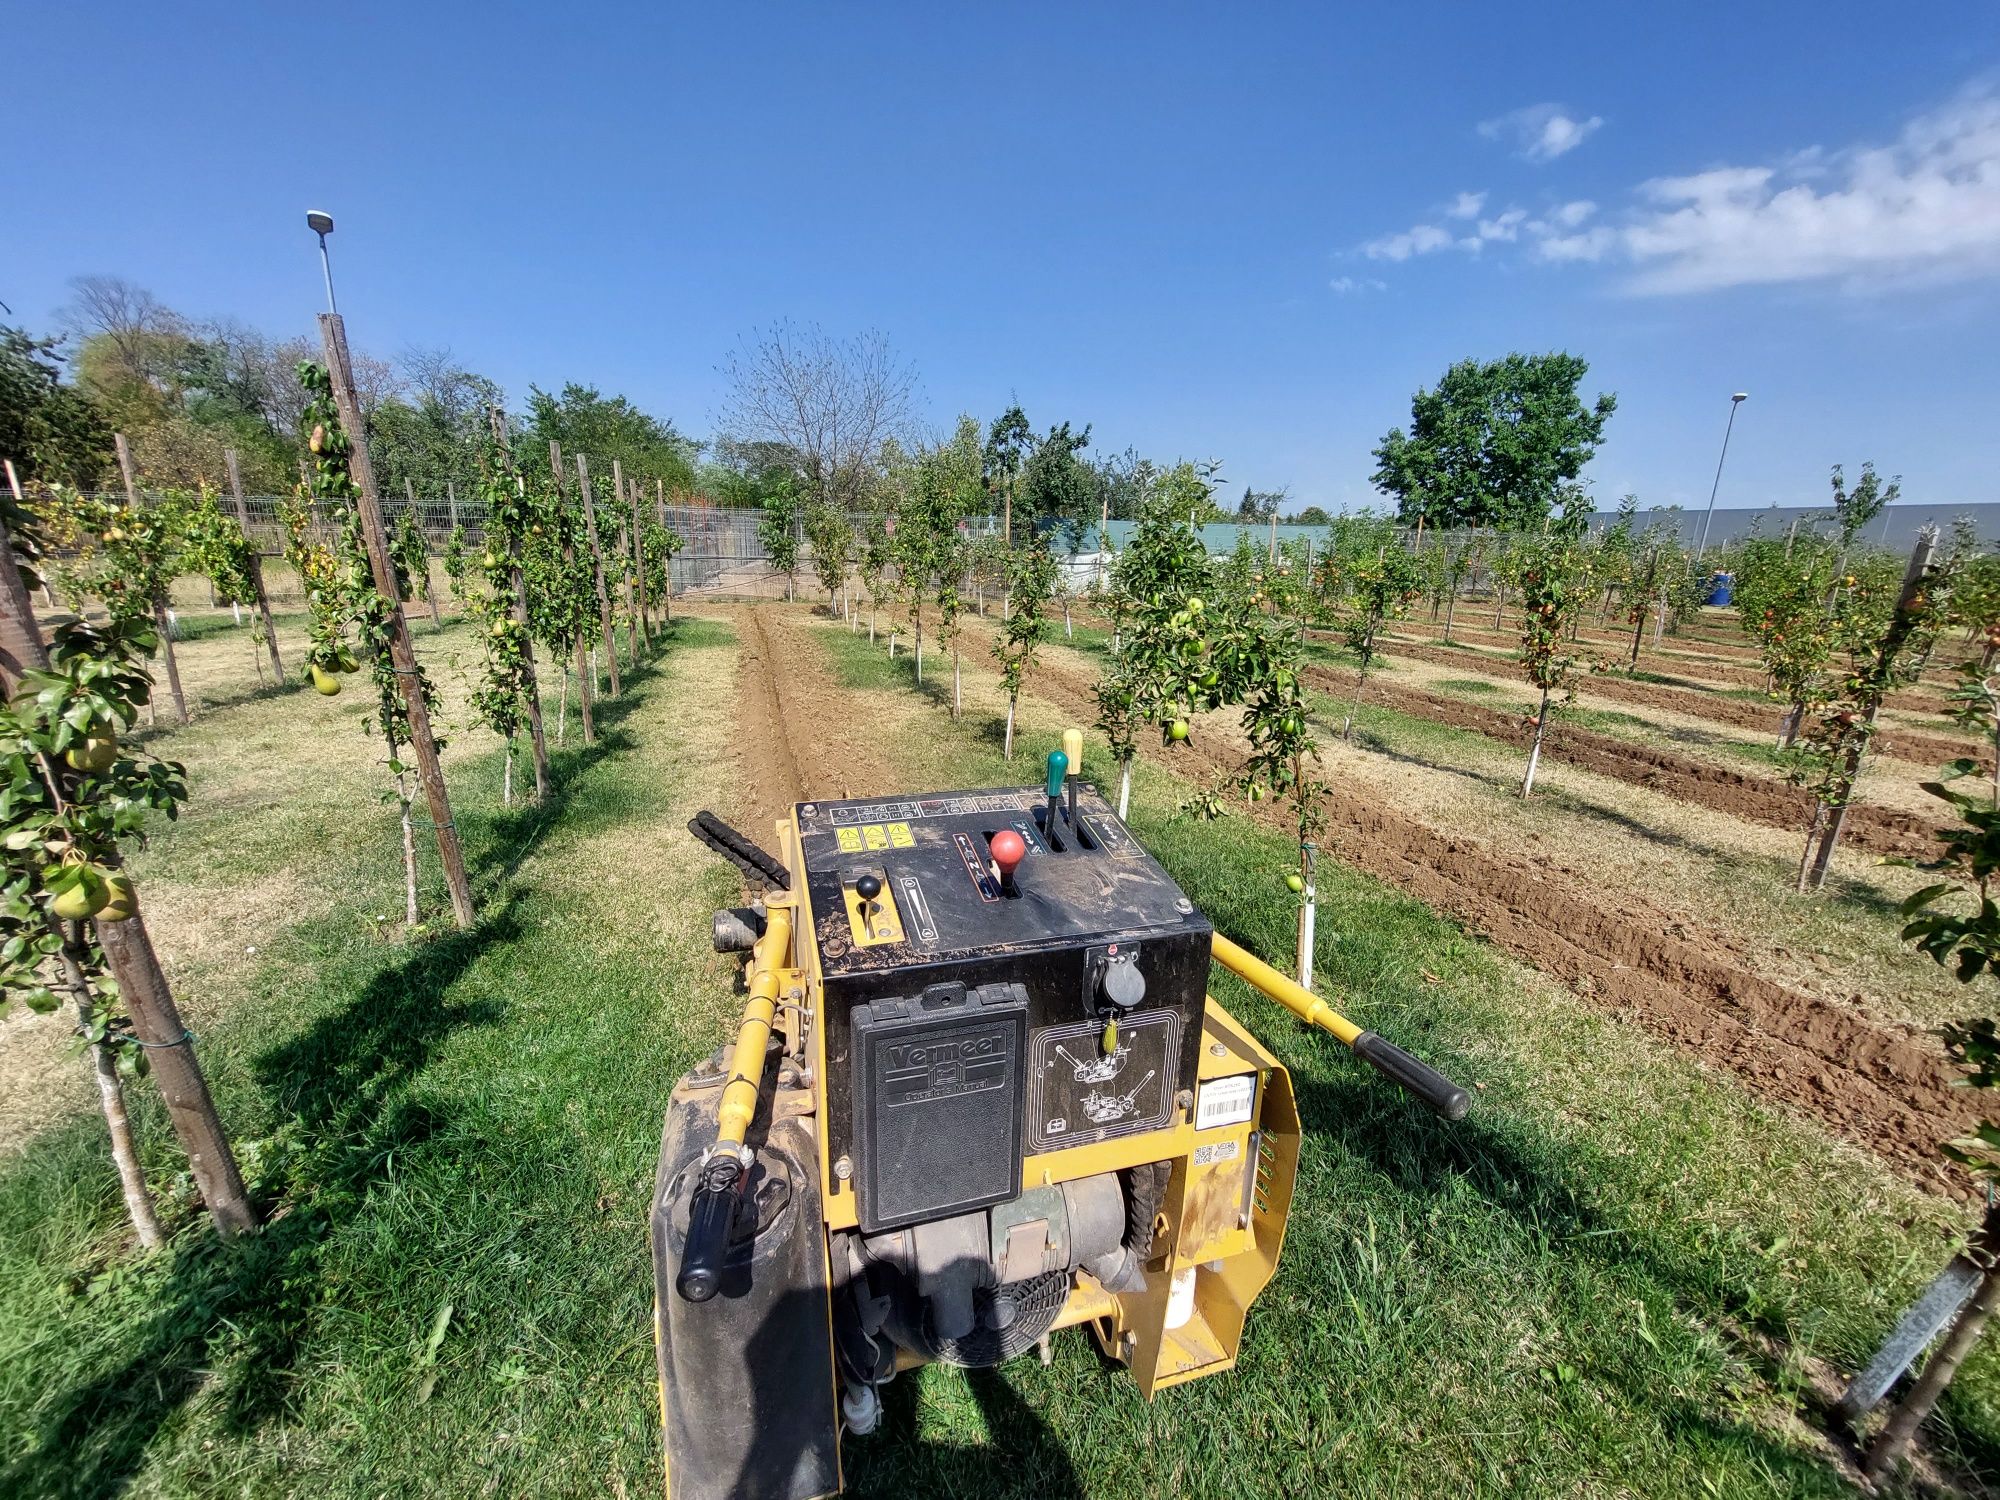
{"points": [[1734, 401], [321, 224]]}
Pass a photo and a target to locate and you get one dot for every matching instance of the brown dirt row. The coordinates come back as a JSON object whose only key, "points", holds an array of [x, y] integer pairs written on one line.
{"points": [[1875, 1085], [797, 736], [1757, 799], [1692, 672], [1905, 744]]}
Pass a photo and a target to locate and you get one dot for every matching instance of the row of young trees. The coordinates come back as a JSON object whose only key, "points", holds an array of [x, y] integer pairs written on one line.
{"points": [[71, 930]]}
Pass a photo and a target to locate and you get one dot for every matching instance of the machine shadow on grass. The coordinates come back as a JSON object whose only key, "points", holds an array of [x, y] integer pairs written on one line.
{"points": [[1024, 1459]]}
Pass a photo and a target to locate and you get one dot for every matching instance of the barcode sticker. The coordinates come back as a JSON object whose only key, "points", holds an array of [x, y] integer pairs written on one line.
{"points": [[1216, 1151], [1226, 1101]]}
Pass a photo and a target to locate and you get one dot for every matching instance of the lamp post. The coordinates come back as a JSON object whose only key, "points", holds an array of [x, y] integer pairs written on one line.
{"points": [[1734, 401], [321, 224]]}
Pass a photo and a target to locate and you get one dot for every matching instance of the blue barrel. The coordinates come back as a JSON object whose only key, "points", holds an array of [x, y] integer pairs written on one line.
{"points": [[1722, 589]]}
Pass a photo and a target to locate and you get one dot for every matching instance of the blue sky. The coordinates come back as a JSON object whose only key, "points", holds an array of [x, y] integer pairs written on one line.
{"points": [[1245, 233]]}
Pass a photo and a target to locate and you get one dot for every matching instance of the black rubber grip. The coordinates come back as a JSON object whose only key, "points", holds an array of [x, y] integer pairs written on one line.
{"points": [[711, 1216], [739, 850], [1437, 1091]]}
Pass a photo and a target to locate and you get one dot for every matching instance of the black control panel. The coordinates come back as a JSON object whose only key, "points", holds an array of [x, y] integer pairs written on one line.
{"points": [[961, 916]]}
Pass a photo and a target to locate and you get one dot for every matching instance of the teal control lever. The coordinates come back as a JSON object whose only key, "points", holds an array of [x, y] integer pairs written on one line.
{"points": [[1058, 769]]}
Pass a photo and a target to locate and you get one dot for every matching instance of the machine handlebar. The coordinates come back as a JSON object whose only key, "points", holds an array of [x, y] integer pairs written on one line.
{"points": [[1438, 1093], [711, 1216], [1435, 1090]]}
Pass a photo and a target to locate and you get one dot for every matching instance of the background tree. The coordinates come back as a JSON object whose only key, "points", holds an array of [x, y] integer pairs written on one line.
{"points": [[827, 403], [51, 430], [1057, 490], [410, 554], [1008, 442], [1378, 578], [1493, 444]]}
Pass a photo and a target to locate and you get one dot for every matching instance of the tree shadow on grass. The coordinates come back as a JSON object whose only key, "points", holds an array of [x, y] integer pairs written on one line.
{"points": [[228, 1320], [1427, 1158]]}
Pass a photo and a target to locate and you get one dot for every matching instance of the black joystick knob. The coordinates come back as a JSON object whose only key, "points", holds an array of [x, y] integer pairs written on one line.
{"points": [[868, 887]]}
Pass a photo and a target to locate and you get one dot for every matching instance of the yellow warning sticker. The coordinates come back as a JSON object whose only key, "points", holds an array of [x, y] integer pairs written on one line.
{"points": [[850, 840], [877, 836], [901, 837]]}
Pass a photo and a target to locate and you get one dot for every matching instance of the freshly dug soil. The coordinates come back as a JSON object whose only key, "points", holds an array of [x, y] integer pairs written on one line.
{"points": [[1905, 744], [1759, 799], [1876, 1085]]}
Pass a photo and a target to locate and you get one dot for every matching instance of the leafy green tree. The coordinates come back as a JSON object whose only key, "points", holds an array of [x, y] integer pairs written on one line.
{"points": [[1378, 577], [51, 430], [1057, 489], [1031, 583], [410, 554], [941, 486], [1008, 443], [829, 535], [217, 547], [1556, 586], [1493, 444], [778, 531], [877, 554], [584, 420], [1312, 515]]}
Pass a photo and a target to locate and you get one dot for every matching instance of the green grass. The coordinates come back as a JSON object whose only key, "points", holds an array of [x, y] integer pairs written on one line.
{"points": [[469, 1122], [1610, 1279], [1466, 685], [1605, 1281]]}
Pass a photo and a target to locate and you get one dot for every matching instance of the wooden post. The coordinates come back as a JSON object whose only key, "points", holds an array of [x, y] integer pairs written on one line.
{"points": [[161, 624], [667, 605], [451, 854], [586, 689], [642, 618], [256, 564], [156, 1021], [424, 583], [627, 564], [597, 571], [519, 580]]}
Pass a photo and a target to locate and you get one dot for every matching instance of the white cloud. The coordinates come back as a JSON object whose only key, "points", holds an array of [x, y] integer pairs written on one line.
{"points": [[1541, 132], [1350, 286], [1924, 208]]}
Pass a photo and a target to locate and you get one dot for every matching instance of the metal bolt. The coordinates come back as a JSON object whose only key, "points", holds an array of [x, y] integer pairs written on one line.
{"points": [[1216, 1049], [843, 1169], [1184, 1099]]}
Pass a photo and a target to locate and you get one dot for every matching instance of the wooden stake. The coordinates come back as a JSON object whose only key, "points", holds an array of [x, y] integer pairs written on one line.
{"points": [[640, 620], [626, 567], [256, 564], [451, 854], [585, 688], [141, 986], [660, 504], [597, 571], [160, 622]]}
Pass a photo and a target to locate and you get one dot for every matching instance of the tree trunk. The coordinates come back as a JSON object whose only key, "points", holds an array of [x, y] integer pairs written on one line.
{"points": [[1124, 787], [1450, 609], [1812, 837], [1923, 1396], [409, 847], [165, 628], [156, 1021], [1638, 631], [256, 564], [1535, 750], [1008, 748], [584, 679], [110, 1097], [956, 699], [507, 776], [1308, 914], [562, 705]]}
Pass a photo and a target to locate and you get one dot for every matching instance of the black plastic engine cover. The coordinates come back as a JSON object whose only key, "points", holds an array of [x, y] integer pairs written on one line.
{"points": [[1082, 898], [937, 1118]]}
